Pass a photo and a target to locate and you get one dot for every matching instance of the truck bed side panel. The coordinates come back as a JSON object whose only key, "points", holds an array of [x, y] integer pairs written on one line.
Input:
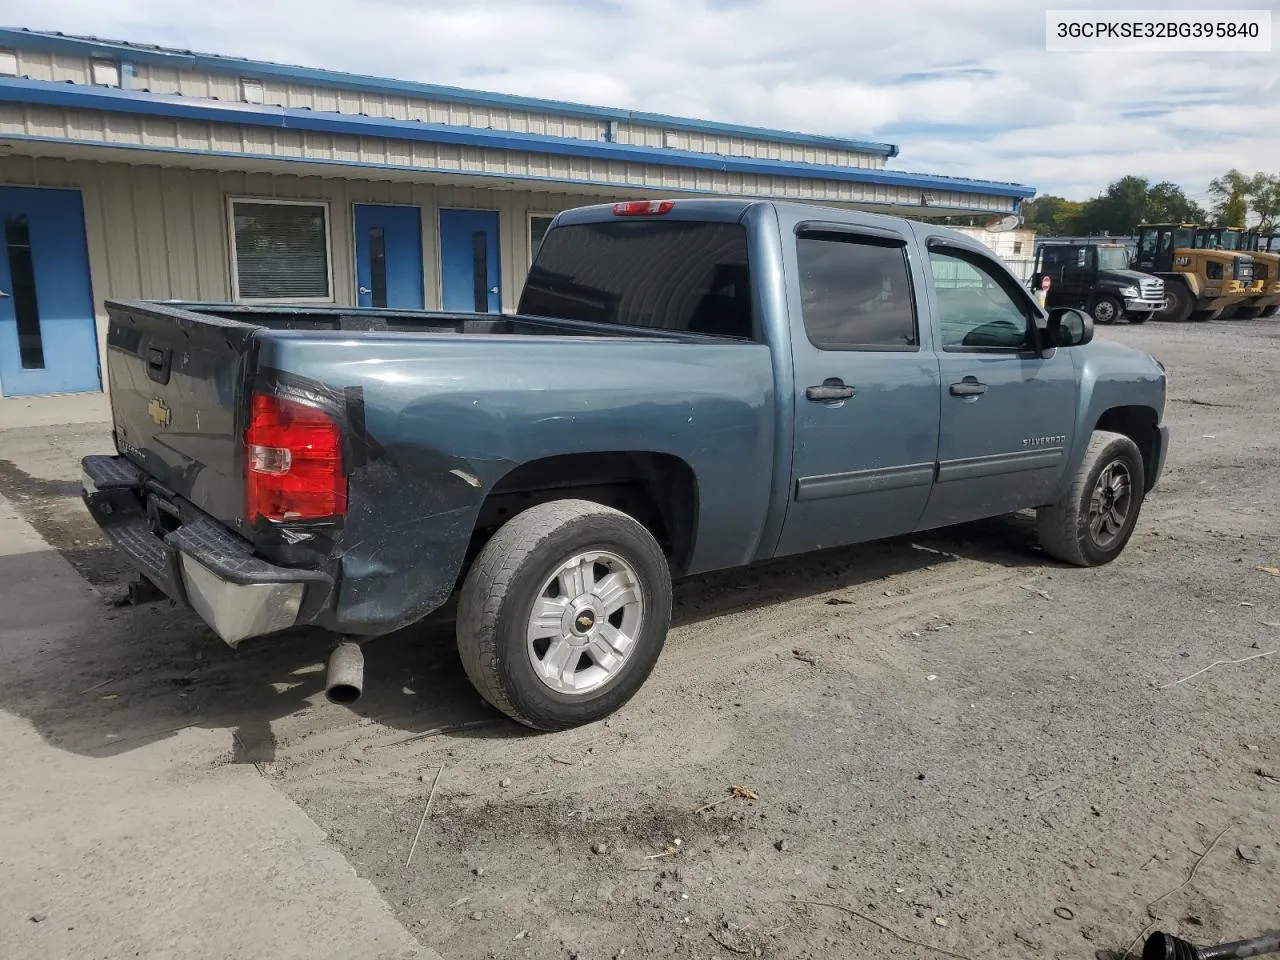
{"points": [[448, 417]]}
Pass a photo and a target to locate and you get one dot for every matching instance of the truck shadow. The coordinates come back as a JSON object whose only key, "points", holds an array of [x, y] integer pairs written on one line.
{"points": [[120, 678]]}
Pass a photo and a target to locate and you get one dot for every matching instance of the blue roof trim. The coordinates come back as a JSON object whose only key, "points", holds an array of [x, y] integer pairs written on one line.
{"points": [[624, 189], [260, 70], [80, 97]]}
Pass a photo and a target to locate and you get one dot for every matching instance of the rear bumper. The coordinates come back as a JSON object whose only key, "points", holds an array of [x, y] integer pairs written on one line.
{"points": [[201, 564]]}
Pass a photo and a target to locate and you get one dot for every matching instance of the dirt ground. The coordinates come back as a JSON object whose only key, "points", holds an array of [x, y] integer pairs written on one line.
{"points": [[958, 747]]}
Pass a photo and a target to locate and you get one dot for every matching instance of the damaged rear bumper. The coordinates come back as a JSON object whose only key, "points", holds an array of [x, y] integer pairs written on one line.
{"points": [[200, 563]]}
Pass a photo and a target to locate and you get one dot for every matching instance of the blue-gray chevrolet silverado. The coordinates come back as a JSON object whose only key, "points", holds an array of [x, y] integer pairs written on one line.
{"points": [[687, 386]]}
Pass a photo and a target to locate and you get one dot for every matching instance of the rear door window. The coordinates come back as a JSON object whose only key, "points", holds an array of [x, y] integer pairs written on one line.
{"points": [[855, 292]]}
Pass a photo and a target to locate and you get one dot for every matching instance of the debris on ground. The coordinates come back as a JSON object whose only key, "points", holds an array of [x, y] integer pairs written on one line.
{"points": [[736, 791], [600, 848], [806, 656], [837, 601], [1249, 853], [1064, 913], [1274, 571], [782, 846], [1038, 591]]}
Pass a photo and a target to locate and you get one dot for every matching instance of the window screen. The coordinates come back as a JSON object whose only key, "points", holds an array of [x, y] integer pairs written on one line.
{"points": [[682, 275], [855, 292], [281, 251]]}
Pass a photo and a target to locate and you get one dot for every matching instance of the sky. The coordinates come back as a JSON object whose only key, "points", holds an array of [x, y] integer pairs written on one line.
{"points": [[965, 87]]}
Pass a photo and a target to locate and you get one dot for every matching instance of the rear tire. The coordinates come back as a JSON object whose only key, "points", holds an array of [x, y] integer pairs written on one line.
{"points": [[564, 613], [1092, 523], [1106, 309], [1178, 303], [1270, 311]]}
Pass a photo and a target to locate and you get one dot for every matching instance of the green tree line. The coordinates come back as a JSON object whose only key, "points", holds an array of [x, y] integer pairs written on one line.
{"points": [[1236, 200]]}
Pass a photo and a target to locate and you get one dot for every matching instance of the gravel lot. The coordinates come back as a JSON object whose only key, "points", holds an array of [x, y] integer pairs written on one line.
{"points": [[949, 737]]}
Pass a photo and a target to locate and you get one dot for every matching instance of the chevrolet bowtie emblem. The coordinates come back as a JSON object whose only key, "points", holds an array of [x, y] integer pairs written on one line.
{"points": [[159, 412]]}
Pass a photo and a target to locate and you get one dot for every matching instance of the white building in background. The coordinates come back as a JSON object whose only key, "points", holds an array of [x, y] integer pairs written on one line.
{"points": [[130, 171], [1016, 247]]}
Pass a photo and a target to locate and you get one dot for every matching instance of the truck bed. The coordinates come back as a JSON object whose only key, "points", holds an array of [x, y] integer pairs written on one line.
{"points": [[436, 410]]}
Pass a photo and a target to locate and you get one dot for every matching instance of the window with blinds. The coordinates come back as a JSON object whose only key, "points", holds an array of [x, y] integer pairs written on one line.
{"points": [[281, 250]]}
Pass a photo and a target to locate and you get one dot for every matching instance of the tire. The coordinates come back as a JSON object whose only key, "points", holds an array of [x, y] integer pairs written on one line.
{"points": [[1178, 303], [1069, 530], [1106, 309], [1270, 311], [1138, 318], [1204, 316], [499, 644]]}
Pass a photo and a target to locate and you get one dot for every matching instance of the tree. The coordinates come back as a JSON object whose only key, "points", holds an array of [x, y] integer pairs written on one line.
{"points": [[1166, 203], [1264, 200], [1230, 198], [1052, 216]]}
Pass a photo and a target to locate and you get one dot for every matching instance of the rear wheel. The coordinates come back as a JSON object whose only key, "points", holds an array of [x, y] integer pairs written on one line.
{"points": [[1178, 303], [1270, 311], [1093, 522], [564, 613], [1106, 309]]}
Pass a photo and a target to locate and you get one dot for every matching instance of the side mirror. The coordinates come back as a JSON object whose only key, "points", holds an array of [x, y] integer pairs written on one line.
{"points": [[1068, 327]]}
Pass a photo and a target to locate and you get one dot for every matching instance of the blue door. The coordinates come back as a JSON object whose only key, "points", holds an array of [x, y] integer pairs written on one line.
{"points": [[388, 256], [1008, 414], [469, 261], [48, 337], [866, 389]]}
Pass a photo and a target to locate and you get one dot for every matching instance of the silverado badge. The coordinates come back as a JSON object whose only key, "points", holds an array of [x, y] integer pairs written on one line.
{"points": [[159, 412]]}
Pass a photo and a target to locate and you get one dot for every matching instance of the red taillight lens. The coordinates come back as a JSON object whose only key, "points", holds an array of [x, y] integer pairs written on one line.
{"points": [[642, 208], [293, 462]]}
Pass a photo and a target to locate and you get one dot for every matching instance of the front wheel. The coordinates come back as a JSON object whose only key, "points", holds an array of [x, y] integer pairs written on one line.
{"points": [[564, 613], [1092, 523], [1139, 318], [1178, 303], [1106, 309]]}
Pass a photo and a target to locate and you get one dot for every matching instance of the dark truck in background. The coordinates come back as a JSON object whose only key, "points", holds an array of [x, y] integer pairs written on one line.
{"points": [[1095, 277], [688, 386]]}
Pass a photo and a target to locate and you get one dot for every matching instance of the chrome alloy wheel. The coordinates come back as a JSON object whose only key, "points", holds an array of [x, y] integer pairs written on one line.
{"points": [[584, 622]]}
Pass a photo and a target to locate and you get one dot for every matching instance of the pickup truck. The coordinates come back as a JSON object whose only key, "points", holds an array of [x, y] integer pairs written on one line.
{"points": [[687, 386]]}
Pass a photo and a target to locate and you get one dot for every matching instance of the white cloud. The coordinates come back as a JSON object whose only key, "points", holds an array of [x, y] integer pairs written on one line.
{"points": [[964, 89]]}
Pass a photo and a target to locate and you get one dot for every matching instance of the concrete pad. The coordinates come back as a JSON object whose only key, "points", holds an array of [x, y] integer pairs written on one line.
{"points": [[163, 851], [61, 409]]}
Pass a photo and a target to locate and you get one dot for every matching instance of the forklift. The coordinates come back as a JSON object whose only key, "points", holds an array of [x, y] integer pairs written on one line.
{"points": [[1199, 283], [1234, 238]]}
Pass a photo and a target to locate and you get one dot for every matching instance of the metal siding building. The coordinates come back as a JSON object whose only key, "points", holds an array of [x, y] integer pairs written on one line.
{"points": [[213, 178]]}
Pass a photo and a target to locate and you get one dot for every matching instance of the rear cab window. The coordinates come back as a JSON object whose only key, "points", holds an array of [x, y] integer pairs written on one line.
{"points": [[684, 276]]}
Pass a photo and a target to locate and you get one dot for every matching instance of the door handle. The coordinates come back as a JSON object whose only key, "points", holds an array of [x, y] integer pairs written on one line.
{"points": [[968, 387], [365, 290], [3, 295], [833, 388], [493, 290]]}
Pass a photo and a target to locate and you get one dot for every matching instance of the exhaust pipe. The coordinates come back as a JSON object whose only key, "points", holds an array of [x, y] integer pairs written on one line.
{"points": [[344, 681], [1164, 946]]}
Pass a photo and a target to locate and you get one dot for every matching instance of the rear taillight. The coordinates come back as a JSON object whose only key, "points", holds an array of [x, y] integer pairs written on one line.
{"points": [[642, 208], [293, 462]]}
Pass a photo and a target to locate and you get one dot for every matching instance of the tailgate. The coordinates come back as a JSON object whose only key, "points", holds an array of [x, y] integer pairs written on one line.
{"points": [[176, 380]]}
